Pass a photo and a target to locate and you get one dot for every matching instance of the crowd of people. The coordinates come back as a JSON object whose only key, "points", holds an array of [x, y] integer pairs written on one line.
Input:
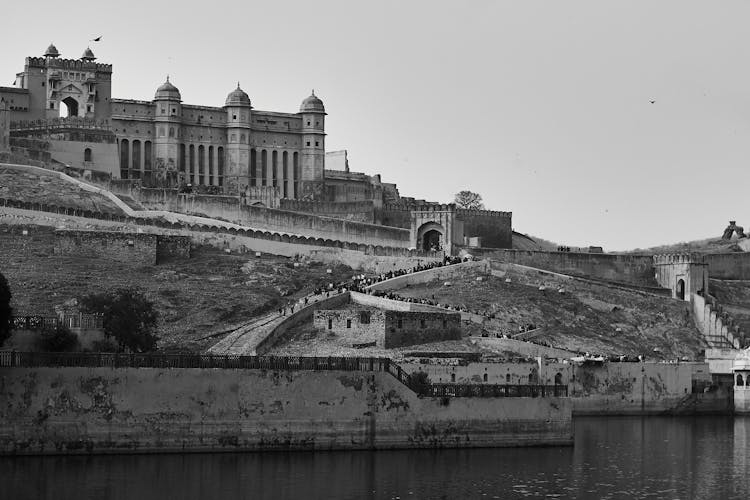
{"points": [[361, 282]]}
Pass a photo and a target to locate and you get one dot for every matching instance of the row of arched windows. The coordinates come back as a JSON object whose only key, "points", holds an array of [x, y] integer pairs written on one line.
{"points": [[136, 159], [278, 171], [203, 166]]}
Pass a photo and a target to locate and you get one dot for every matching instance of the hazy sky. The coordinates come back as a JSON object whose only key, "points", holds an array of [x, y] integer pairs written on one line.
{"points": [[541, 107]]}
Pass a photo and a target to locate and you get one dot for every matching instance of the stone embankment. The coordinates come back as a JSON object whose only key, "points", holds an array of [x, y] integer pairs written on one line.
{"points": [[350, 404]]}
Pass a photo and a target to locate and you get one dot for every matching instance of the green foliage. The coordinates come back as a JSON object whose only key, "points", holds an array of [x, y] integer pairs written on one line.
{"points": [[420, 383], [129, 318], [5, 310], [57, 339], [469, 199]]}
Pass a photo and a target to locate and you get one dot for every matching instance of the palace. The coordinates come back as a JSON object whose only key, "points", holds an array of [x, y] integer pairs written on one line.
{"points": [[61, 112], [166, 142]]}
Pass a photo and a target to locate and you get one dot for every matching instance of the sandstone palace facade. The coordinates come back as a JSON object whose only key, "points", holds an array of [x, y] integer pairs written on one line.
{"points": [[61, 111]]}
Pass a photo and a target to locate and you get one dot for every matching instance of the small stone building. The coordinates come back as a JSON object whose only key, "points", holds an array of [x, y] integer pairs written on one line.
{"points": [[389, 329]]}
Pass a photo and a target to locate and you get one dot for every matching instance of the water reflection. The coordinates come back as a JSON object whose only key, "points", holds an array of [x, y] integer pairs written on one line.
{"points": [[653, 457]]}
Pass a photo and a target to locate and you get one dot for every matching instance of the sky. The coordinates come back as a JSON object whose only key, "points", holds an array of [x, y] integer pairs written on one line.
{"points": [[542, 107]]}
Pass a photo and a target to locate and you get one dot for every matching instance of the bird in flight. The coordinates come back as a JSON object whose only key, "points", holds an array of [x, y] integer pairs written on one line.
{"points": [[652, 102], [97, 39]]}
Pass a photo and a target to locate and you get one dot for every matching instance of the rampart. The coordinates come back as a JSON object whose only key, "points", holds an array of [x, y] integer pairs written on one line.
{"points": [[642, 389], [716, 327], [133, 248], [359, 211], [728, 266], [311, 225], [631, 269], [436, 273], [120, 410]]}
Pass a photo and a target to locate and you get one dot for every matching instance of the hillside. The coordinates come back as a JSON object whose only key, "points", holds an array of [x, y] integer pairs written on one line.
{"points": [[734, 297], [586, 317], [196, 297], [45, 187]]}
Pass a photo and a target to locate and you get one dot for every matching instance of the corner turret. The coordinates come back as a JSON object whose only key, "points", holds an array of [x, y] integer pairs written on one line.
{"points": [[313, 115], [239, 118]]}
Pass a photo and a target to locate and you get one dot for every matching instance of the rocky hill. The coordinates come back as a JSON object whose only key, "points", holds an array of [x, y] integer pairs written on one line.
{"points": [[196, 298]]}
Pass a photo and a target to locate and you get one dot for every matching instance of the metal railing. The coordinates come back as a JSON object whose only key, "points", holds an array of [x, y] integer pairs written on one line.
{"points": [[13, 359]]}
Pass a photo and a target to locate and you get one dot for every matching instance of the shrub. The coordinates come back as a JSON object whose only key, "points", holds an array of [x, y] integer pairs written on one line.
{"points": [[6, 312], [420, 383], [57, 339], [129, 318]]}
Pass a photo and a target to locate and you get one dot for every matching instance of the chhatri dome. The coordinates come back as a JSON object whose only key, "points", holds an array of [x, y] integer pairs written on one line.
{"points": [[88, 55], [51, 51], [312, 105], [167, 91], [237, 97]]}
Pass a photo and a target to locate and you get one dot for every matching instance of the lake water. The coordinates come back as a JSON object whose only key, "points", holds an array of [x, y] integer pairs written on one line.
{"points": [[621, 457]]}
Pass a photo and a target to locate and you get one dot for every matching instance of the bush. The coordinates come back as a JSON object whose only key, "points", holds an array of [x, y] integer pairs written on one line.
{"points": [[420, 383], [57, 339], [6, 312], [129, 318]]}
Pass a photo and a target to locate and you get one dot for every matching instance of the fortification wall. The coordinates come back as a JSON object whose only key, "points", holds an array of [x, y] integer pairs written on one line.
{"points": [[524, 348], [632, 269], [631, 388], [359, 211], [494, 228], [133, 248], [104, 156], [728, 266], [716, 331], [228, 208], [436, 273], [105, 410], [502, 373]]}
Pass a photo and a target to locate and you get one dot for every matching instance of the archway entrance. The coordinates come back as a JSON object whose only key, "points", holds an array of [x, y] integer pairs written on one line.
{"points": [[680, 289], [70, 108], [431, 241], [430, 237]]}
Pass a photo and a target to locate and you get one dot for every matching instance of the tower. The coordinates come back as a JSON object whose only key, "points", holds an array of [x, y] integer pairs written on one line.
{"points": [[169, 172], [313, 148], [238, 109]]}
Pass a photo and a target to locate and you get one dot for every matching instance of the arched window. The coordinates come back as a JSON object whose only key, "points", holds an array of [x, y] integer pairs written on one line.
{"points": [[182, 157], [253, 167], [136, 169], [285, 173], [211, 171], [295, 174], [192, 163], [275, 168], [147, 155], [740, 382], [87, 154], [220, 165], [264, 168], [124, 158], [201, 164]]}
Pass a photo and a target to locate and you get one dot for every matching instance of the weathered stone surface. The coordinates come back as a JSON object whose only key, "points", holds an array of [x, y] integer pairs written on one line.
{"points": [[91, 410]]}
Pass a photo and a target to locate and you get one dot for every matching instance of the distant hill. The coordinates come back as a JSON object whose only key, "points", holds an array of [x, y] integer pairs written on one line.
{"points": [[707, 245]]}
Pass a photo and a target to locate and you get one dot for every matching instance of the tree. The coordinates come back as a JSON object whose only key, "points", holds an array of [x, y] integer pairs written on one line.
{"points": [[6, 312], [129, 318], [57, 339], [469, 199]]}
